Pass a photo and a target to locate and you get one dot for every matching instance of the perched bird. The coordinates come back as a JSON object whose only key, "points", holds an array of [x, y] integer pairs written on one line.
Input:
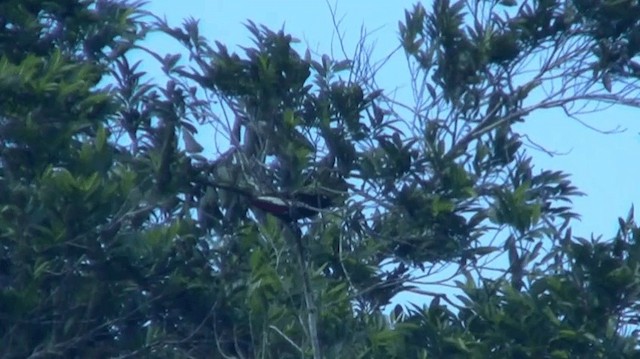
{"points": [[300, 206], [287, 207], [322, 189]]}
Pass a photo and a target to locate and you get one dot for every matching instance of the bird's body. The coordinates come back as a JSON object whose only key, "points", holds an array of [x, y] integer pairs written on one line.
{"points": [[287, 207]]}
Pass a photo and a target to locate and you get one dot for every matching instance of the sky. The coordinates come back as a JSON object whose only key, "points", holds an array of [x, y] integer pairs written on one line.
{"points": [[603, 166]]}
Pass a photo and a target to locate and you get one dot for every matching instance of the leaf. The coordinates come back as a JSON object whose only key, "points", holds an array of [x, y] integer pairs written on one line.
{"points": [[485, 250], [40, 269], [101, 139], [342, 65], [606, 81], [432, 90], [90, 185], [190, 143], [170, 61], [398, 311], [326, 63]]}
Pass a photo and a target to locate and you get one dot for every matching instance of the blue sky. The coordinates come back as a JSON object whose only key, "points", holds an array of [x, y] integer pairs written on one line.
{"points": [[603, 166]]}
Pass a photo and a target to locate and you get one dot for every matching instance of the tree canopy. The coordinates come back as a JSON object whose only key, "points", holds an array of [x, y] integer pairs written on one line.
{"points": [[120, 237]]}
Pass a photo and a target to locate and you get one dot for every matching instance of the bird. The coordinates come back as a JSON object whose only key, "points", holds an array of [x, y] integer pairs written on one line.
{"points": [[322, 190], [290, 210], [288, 207]]}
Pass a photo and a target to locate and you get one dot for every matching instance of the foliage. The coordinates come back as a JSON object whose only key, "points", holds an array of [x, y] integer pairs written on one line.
{"points": [[121, 236]]}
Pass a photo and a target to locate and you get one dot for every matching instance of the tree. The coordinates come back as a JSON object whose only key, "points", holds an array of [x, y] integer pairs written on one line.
{"points": [[119, 238]]}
